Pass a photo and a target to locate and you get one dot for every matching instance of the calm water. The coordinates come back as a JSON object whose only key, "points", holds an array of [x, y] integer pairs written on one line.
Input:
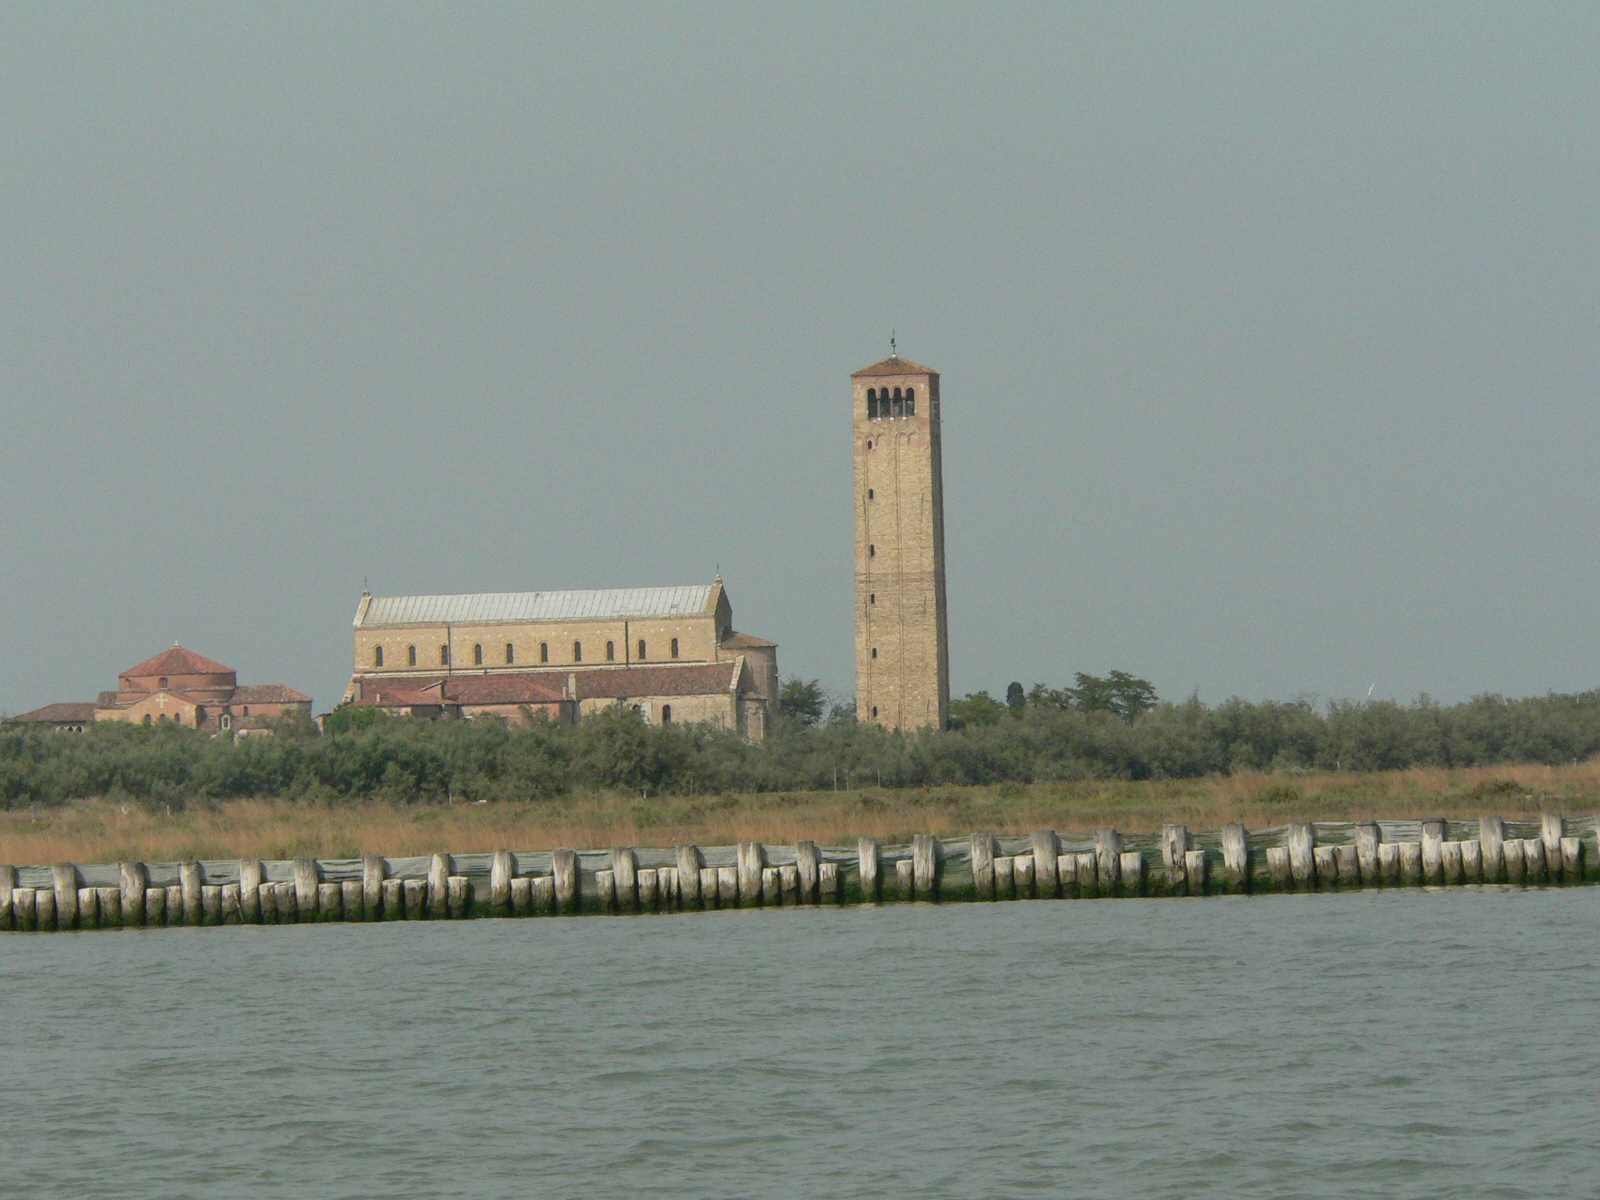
{"points": [[1378, 1044]]}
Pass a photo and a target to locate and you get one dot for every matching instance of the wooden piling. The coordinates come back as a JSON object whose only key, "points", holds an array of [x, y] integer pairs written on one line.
{"points": [[155, 906], [771, 887], [1325, 865], [789, 884], [1301, 840], [710, 886], [24, 908], [925, 864], [458, 896], [867, 854], [1513, 865], [1005, 877], [564, 869], [190, 881], [1433, 831], [392, 906], [501, 868], [290, 910], [1348, 865], [110, 907], [625, 867], [981, 850], [827, 883], [521, 896], [330, 902], [1088, 874], [1450, 862], [1472, 861], [352, 900], [211, 903], [667, 885], [175, 913], [1536, 867], [1572, 859], [64, 885], [1492, 834], [752, 860], [544, 895], [1411, 863], [1174, 845], [905, 880], [1367, 838], [1067, 873], [1108, 855], [1130, 869], [1552, 828], [134, 880], [1046, 880], [1194, 872], [250, 879], [416, 899], [440, 868], [1278, 869], [307, 877], [1389, 863], [267, 903], [728, 894], [1235, 858], [88, 908], [373, 871], [231, 904], [807, 860], [648, 882], [8, 885], [605, 885], [690, 860]]}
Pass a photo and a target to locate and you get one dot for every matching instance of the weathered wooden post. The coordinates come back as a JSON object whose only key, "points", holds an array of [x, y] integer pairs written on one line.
{"points": [[175, 904], [501, 868], [806, 862], [210, 904], [925, 864], [330, 902], [710, 887], [1022, 870], [1005, 877], [1067, 873], [1512, 861], [1389, 863], [373, 871], [649, 881], [1433, 831], [667, 887], [1236, 858], [1278, 868], [64, 883], [1472, 860], [232, 899], [771, 886], [1131, 868], [1325, 864], [1194, 872], [1536, 868], [44, 908], [752, 858], [544, 894], [1492, 834], [110, 907], [1552, 828], [1572, 859], [789, 883], [521, 896], [605, 886], [251, 877], [88, 908], [982, 854], [458, 896], [1046, 878], [155, 906], [24, 908], [190, 881], [1174, 845], [1088, 874], [1367, 837], [416, 899], [728, 893], [1348, 865], [307, 878], [267, 903], [8, 885], [1108, 854], [625, 867], [1450, 861], [690, 860], [352, 900], [905, 880], [394, 899], [867, 852], [828, 882], [440, 868], [288, 902], [1302, 841], [1411, 863]]}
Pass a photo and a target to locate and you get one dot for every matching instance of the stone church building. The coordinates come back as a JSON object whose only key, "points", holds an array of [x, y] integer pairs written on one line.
{"points": [[670, 653]]}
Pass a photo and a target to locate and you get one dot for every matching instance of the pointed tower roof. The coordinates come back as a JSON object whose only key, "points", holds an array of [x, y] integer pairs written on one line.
{"points": [[178, 661], [894, 365]]}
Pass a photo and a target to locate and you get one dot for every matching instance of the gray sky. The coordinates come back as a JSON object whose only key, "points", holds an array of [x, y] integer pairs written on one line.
{"points": [[1268, 334]]}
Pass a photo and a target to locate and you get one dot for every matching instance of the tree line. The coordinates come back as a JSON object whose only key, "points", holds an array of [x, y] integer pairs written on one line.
{"points": [[1112, 727]]}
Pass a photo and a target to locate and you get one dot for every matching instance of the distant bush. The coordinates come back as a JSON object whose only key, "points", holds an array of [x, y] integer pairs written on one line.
{"points": [[1053, 736]]}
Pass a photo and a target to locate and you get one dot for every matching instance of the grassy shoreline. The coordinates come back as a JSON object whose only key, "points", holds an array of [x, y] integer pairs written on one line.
{"points": [[93, 831]]}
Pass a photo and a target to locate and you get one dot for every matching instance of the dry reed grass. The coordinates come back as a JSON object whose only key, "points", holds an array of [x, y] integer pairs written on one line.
{"points": [[94, 831]]}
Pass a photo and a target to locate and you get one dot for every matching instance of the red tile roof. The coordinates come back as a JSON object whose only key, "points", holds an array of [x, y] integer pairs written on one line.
{"points": [[58, 714], [691, 679], [178, 661], [894, 365], [267, 693]]}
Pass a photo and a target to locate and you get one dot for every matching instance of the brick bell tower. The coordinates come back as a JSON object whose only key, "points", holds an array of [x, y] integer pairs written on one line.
{"points": [[902, 648]]}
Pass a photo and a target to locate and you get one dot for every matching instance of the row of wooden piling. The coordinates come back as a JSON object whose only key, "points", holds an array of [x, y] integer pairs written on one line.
{"points": [[928, 869]]}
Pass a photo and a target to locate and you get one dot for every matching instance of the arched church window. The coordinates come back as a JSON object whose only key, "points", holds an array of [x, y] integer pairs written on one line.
{"points": [[666, 714], [544, 651], [674, 647], [872, 404], [444, 656], [874, 652], [869, 443], [511, 654], [611, 652], [577, 651], [477, 655], [872, 552], [911, 402], [899, 403], [411, 656], [641, 650], [377, 657]]}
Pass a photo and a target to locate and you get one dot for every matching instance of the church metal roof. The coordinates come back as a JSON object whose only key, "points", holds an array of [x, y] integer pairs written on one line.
{"points": [[491, 608]]}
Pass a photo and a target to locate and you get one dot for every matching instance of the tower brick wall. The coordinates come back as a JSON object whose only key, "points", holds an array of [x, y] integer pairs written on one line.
{"points": [[902, 645]]}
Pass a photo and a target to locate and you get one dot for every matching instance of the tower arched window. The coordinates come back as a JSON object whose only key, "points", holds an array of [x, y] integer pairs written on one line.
{"points": [[411, 656], [666, 714], [872, 404], [611, 652], [477, 656], [544, 651], [899, 403], [377, 657], [911, 402], [511, 654], [674, 647], [577, 651]]}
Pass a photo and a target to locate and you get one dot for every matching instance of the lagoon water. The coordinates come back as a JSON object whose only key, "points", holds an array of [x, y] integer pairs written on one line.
{"points": [[1379, 1044]]}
